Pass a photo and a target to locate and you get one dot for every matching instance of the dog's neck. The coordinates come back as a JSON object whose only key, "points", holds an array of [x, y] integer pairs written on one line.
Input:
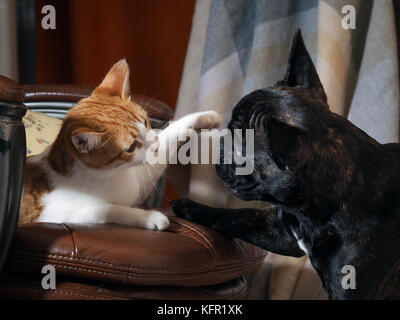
{"points": [[364, 179], [366, 215]]}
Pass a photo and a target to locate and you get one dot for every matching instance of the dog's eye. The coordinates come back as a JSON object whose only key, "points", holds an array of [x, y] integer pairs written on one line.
{"points": [[133, 146]]}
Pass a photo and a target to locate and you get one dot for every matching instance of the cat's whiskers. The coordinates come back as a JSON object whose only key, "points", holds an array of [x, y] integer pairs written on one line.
{"points": [[154, 167], [142, 185], [144, 92], [150, 175], [159, 172], [150, 100], [153, 182]]}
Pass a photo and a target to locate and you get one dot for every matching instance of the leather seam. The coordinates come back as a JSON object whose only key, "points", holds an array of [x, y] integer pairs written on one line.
{"points": [[209, 245], [33, 255], [115, 273], [71, 260], [75, 253], [121, 273]]}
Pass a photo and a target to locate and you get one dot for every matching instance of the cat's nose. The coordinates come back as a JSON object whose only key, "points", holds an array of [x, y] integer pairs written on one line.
{"points": [[151, 137], [154, 146]]}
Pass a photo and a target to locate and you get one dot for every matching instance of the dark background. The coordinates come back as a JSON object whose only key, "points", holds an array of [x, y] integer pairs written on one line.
{"points": [[92, 35]]}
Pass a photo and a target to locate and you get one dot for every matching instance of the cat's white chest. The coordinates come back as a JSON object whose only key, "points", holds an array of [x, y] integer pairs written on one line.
{"points": [[127, 187], [124, 187], [89, 195]]}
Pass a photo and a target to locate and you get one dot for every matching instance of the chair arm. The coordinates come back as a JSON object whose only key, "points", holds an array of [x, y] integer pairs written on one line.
{"points": [[12, 160], [73, 93], [11, 91]]}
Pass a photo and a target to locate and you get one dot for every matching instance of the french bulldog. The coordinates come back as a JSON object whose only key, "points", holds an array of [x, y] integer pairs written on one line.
{"points": [[335, 190]]}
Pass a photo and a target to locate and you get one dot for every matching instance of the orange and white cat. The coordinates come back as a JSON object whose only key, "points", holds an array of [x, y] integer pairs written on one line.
{"points": [[96, 170]]}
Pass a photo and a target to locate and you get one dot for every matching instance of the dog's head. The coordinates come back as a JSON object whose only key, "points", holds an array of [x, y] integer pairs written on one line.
{"points": [[300, 146]]}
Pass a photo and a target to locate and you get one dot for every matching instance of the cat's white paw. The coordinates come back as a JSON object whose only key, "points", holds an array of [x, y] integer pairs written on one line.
{"points": [[157, 221], [207, 120]]}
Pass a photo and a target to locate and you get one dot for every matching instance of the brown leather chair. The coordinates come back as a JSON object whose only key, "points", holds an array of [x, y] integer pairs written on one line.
{"points": [[188, 261]]}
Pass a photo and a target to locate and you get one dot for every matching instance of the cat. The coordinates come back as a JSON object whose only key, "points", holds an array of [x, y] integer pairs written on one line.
{"points": [[335, 190], [96, 170]]}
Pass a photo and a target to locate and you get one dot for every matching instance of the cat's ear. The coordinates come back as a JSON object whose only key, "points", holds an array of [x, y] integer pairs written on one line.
{"points": [[288, 145], [86, 142], [116, 82], [301, 71]]}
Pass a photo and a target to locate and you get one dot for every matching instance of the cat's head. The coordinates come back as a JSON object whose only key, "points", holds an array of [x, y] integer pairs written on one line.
{"points": [[300, 146], [107, 129]]}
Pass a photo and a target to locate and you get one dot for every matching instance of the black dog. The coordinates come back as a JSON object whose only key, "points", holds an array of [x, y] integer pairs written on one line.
{"points": [[336, 190]]}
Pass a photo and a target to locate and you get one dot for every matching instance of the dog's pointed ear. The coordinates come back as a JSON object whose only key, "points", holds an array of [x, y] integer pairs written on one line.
{"points": [[288, 145], [301, 71]]}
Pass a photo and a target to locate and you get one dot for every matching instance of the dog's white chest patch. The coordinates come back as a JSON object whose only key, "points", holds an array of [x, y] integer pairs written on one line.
{"points": [[300, 242], [302, 246]]}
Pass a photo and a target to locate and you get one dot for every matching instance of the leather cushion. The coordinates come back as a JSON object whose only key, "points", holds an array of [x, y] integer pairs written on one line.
{"points": [[185, 255], [26, 288]]}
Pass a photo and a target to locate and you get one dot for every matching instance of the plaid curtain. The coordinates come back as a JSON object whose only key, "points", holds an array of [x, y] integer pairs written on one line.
{"points": [[238, 46]]}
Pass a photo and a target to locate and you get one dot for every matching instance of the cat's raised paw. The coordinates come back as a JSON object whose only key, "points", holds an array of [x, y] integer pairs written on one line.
{"points": [[157, 221], [207, 120]]}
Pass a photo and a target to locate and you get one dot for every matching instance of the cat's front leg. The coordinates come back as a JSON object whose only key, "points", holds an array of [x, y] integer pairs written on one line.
{"points": [[195, 121], [259, 227], [101, 213], [136, 217], [176, 134]]}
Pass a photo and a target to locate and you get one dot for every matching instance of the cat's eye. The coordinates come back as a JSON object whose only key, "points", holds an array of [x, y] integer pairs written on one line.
{"points": [[145, 123], [133, 146]]}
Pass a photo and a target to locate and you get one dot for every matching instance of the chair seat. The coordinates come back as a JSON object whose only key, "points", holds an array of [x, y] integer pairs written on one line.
{"points": [[186, 255]]}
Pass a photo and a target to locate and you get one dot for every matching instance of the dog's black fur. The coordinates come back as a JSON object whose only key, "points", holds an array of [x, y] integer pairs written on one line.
{"points": [[335, 188]]}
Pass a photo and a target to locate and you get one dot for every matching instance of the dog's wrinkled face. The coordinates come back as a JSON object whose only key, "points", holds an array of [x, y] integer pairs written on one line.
{"points": [[298, 143], [279, 149]]}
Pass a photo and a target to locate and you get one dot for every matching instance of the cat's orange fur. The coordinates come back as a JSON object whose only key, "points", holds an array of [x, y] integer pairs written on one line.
{"points": [[108, 112], [36, 186], [97, 171]]}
